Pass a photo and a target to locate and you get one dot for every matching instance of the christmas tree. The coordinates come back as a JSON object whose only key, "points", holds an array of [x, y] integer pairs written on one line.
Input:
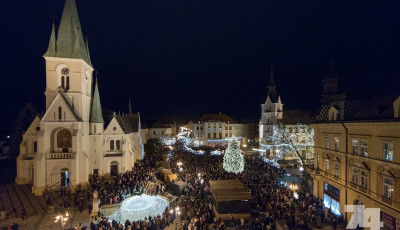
{"points": [[233, 159]]}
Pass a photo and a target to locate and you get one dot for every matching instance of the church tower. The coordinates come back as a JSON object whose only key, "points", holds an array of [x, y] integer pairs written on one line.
{"points": [[63, 140], [271, 110]]}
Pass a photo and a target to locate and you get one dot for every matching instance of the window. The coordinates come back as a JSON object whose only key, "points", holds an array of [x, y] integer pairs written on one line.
{"points": [[63, 82], [226, 134], [364, 148], [388, 185], [215, 128], [220, 128], [364, 179], [326, 142], [35, 146], [336, 144], [198, 134], [67, 88], [220, 135], [59, 113], [336, 169], [94, 128], [354, 175], [214, 135], [154, 132], [162, 132], [388, 151], [226, 127], [197, 127], [326, 165], [118, 144], [355, 147], [112, 145], [201, 128], [209, 135], [230, 127], [209, 128], [230, 134]]}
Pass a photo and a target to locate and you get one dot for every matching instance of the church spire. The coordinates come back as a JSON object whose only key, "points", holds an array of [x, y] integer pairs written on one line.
{"points": [[70, 42], [51, 51], [130, 107], [96, 115], [272, 87]]}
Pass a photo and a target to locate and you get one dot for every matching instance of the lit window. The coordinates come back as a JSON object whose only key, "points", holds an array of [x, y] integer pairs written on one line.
{"points": [[364, 148], [326, 142], [364, 179], [354, 175], [326, 165], [388, 187], [220, 128], [336, 169], [355, 147], [336, 144], [209, 128], [388, 151], [198, 134]]}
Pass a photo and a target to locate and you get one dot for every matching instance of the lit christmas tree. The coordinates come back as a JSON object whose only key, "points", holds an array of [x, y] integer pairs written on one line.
{"points": [[233, 158]]}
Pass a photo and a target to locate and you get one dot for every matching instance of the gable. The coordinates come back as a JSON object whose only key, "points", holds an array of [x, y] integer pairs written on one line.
{"points": [[113, 127], [67, 114], [34, 127]]}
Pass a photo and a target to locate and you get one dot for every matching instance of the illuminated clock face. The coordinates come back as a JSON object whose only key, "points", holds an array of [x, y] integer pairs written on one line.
{"points": [[65, 71]]}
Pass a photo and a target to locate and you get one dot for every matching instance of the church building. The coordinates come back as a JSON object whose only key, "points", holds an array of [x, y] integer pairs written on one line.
{"points": [[70, 141]]}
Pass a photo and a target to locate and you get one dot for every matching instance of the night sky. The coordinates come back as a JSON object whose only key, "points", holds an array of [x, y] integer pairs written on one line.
{"points": [[184, 58]]}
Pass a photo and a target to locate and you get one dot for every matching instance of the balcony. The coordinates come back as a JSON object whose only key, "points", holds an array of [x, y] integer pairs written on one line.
{"points": [[386, 200], [353, 185], [60, 156], [362, 189]]}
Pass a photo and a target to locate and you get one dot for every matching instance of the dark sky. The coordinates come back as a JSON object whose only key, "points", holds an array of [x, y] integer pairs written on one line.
{"points": [[184, 58]]}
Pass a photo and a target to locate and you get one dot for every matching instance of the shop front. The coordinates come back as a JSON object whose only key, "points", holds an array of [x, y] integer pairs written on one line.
{"points": [[390, 222], [332, 198]]}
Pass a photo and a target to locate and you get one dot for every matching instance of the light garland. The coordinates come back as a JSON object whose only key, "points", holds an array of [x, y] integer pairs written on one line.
{"points": [[138, 207]]}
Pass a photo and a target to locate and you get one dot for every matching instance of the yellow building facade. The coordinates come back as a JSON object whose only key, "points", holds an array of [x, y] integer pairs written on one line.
{"points": [[357, 156]]}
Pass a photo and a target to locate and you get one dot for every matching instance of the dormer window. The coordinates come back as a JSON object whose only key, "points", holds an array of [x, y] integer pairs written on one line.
{"points": [[332, 114]]}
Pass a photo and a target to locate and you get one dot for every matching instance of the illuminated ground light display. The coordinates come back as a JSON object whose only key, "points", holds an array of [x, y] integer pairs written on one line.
{"points": [[138, 207]]}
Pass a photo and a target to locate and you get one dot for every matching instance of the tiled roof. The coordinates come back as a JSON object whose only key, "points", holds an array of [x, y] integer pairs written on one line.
{"points": [[380, 107], [216, 117], [69, 42], [347, 107], [129, 122]]}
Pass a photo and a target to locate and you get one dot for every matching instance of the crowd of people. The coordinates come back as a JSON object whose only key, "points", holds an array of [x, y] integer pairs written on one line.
{"points": [[272, 202]]}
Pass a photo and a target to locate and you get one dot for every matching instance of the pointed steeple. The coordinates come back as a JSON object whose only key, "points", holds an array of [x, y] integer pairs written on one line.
{"points": [[130, 107], [70, 42], [51, 51], [96, 114], [87, 50], [272, 87]]}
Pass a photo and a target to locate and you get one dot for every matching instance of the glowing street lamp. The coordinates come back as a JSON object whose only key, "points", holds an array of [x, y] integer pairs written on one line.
{"points": [[63, 218]]}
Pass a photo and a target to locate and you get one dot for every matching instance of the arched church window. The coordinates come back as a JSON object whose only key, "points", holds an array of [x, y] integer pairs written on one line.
{"points": [[65, 78], [35, 146], [112, 145], [67, 88], [64, 140], [118, 144], [59, 113], [63, 82]]}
